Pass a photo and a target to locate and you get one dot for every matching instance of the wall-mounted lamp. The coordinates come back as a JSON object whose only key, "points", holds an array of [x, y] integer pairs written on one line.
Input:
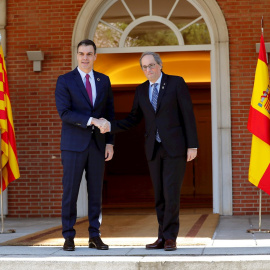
{"points": [[36, 57]]}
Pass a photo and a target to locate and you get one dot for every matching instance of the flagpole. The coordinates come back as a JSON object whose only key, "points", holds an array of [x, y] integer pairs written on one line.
{"points": [[2, 208], [262, 24], [260, 211], [2, 211], [260, 202], [260, 230]]}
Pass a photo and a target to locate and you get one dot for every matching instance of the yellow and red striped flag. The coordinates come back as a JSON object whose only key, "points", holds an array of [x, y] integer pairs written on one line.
{"points": [[259, 125], [10, 165]]}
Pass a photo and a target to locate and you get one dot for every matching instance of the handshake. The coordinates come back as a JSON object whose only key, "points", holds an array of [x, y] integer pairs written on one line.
{"points": [[103, 124]]}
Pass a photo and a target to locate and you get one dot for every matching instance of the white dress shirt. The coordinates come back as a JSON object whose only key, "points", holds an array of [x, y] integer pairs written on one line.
{"points": [[93, 86], [151, 88]]}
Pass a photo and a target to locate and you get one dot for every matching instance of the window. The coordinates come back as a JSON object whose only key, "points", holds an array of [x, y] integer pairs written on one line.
{"points": [[129, 23]]}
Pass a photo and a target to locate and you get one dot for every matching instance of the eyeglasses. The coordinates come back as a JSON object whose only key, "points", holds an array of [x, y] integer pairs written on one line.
{"points": [[150, 66]]}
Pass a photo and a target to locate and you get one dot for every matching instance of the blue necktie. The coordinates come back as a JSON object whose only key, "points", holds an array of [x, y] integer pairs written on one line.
{"points": [[154, 104]]}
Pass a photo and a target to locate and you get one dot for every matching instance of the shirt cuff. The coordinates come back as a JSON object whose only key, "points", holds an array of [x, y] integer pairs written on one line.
{"points": [[89, 121]]}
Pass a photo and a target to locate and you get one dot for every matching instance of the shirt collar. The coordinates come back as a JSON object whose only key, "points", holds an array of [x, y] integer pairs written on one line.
{"points": [[157, 81], [91, 73]]}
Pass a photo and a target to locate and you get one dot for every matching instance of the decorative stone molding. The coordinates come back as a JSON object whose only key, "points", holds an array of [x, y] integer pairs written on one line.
{"points": [[3, 21], [85, 26], [267, 47]]}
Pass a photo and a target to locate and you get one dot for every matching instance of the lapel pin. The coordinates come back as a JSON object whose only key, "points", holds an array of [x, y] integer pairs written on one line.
{"points": [[98, 79]]}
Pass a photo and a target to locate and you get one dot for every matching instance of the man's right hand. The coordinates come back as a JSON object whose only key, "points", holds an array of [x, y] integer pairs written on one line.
{"points": [[102, 124]]}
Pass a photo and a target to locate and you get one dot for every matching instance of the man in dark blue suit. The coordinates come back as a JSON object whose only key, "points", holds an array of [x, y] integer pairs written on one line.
{"points": [[170, 140], [82, 96]]}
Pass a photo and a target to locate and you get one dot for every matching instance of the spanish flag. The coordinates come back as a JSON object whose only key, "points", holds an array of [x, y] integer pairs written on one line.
{"points": [[259, 125], [10, 171]]}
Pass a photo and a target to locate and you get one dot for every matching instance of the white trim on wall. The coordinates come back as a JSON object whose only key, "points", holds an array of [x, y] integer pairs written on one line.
{"points": [[5, 203], [3, 22], [162, 20]]}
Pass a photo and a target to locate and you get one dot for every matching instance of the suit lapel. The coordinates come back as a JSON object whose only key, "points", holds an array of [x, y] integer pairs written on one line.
{"points": [[146, 95], [163, 86], [80, 84], [99, 87], [162, 89]]}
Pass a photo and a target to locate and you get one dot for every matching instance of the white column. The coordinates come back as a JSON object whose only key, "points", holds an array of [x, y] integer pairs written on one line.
{"points": [[5, 203], [3, 18]]}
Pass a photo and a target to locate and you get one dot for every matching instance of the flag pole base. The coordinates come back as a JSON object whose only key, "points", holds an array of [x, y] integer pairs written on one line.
{"points": [[8, 231], [258, 231]]}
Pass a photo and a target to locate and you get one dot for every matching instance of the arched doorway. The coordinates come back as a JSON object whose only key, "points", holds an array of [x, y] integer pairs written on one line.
{"points": [[86, 25], [127, 181]]}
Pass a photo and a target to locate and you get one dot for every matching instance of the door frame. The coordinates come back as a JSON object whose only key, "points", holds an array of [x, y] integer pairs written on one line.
{"points": [[220, 87]]}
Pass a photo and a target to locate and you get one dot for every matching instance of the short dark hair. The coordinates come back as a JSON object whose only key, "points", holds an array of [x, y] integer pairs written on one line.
{"points": [[87, 42]]}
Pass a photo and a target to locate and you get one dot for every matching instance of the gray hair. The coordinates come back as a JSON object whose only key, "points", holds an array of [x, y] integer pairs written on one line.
{"points": [[155, 55]]}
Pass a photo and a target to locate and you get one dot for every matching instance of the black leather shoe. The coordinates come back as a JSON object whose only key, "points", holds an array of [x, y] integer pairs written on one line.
{"points": [[96, 242], [170, 245], [159, 244], [69, 244]]}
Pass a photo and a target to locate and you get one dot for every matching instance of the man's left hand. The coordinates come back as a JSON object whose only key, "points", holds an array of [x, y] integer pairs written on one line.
{"points": [[108, 152], [191, 153]]}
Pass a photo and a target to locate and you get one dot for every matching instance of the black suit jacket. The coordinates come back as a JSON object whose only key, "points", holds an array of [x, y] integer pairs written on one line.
{"points": [[174, 117], [75, 109]]}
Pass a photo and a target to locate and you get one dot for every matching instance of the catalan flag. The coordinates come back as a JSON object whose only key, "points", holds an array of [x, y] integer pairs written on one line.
{"points": [[259, 125], [10, 171]]}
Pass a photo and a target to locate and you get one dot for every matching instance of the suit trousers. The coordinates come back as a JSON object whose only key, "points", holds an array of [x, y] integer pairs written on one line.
{"points": [[74, 163], [167, 174]]}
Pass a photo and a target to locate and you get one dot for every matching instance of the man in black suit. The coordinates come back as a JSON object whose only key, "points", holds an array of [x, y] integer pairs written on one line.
{"points": [[82, 96], [171, 140]]}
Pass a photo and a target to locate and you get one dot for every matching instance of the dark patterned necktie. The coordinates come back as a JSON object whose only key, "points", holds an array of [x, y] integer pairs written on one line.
{"points": [[154, 104], [88, 88]]}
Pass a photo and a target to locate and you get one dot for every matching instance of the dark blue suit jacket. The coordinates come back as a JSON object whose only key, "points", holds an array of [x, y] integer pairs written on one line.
{"points": [[74, 108], [174, 117]]}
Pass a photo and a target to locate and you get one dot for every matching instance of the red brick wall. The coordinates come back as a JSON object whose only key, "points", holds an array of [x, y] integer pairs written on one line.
{"points": [[48, 26], [243, 20]]}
